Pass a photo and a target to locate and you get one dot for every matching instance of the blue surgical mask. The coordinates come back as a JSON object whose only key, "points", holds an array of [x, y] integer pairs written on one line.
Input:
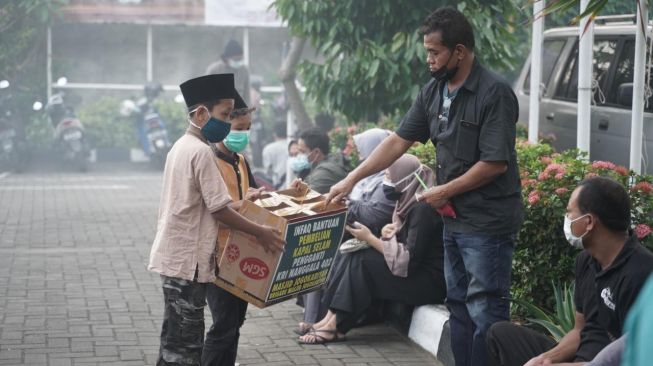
{"points": [[299, 163], [214, 130], [236, 141]]}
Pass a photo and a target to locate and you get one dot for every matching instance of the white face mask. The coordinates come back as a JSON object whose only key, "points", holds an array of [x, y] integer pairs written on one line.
{"points": [[575, 241]]}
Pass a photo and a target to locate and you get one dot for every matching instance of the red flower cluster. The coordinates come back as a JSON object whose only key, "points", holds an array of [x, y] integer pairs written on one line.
{"points": [[642, 231], [562, 190], [533, 197], [645, 187], [557, 170], [603, 165]]}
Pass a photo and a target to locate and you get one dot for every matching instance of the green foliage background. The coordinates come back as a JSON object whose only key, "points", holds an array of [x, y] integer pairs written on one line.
{"points": [[374, 61]]}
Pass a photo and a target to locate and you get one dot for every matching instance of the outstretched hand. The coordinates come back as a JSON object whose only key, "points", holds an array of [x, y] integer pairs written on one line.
{"points": [[339, 191]]}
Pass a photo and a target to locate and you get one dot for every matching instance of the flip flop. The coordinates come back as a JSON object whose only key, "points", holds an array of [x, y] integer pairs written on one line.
{"points": [[321, 340]]}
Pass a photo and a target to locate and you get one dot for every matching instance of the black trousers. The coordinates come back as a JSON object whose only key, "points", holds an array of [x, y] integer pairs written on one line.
{"points": [[363, 276], [182, 332], [228, 312], [511, 345]]}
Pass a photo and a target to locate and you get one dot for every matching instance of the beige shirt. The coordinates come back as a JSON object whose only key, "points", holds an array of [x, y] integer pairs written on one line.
{"points": [[186, 232]]}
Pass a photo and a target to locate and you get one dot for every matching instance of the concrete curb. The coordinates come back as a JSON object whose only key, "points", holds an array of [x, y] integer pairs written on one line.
{"points": [[429, 329]]}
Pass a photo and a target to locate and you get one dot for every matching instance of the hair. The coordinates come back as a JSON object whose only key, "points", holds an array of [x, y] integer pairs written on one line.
{"points": [[291, 142], [452, 25], [315, 138], [608, 200], [280, 129], [324, 121]]}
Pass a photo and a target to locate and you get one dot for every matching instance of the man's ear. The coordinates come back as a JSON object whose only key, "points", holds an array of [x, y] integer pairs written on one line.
{"points": [[592, 222], [201, 114], [462, 51]]}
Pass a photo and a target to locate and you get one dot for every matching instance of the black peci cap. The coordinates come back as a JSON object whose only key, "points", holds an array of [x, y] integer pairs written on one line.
{"points": [[239, 103], [208, 88]]}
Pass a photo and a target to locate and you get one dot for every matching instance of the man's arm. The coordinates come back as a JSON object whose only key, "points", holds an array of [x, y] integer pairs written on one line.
{"points": [[565, 350], [381, 158], [269, 238], [480, 174]]}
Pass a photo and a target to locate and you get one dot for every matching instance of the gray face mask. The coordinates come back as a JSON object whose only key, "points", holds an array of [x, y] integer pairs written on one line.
{"points": [[575, 241]]}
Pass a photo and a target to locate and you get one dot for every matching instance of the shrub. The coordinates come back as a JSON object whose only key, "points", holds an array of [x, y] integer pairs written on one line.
{"points": [[107, 128], [542, 254], [559, 322], [174, 116], [104, 125]]}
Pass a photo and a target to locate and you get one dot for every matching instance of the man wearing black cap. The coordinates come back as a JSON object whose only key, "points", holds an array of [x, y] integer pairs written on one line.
{"points": [[232, 62], [194, 199]]}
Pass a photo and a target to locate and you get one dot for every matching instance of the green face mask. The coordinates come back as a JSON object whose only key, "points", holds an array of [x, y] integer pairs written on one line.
{"points": [[236, 141]]}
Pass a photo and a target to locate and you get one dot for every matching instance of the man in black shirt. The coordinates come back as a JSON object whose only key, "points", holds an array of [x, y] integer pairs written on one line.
{"points": [[470, 115], [609, 274]]}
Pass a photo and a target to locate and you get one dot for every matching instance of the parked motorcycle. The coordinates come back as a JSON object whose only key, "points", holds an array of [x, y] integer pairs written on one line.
{"points": [[69, 134], [12, 151], [151, 129]]}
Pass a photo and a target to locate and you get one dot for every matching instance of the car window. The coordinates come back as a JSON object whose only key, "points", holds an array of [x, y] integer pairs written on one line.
{"points": [[551, 49], [624, 72], [604, 55]]}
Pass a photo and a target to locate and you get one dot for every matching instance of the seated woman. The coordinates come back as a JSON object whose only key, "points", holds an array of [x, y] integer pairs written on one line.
{"points": [[368, 205], [404, 265]]}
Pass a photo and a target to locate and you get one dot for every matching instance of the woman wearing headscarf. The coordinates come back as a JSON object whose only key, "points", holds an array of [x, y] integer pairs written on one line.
{"points": [[405, 264], [367, 205]]}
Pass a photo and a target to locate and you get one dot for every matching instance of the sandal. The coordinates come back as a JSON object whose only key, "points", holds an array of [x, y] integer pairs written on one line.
{"points": [[321, 340], [302, 330]]}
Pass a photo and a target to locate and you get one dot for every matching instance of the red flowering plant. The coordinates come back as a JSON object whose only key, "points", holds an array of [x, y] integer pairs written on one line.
{"points": [[548, 178]]}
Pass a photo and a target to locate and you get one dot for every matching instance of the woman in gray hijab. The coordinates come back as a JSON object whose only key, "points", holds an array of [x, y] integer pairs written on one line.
{"points": [[368, 205], [405, 264]]}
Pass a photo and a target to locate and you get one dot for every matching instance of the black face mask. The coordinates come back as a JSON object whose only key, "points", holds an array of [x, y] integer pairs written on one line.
{"points": [[390, 193], [444, 74]]}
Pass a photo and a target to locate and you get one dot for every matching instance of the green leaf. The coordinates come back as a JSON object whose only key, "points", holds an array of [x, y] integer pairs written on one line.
{"points": [[374, 67]]}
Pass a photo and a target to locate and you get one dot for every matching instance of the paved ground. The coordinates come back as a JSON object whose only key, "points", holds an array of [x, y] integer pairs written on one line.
{"points": [[74, 289]]}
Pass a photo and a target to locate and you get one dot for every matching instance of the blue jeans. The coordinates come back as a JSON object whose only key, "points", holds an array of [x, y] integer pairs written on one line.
{"points": [[477, 271]]}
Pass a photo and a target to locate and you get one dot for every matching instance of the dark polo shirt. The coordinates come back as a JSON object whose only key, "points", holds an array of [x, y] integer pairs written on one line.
{"points": [[605, 296], [481, 126]]}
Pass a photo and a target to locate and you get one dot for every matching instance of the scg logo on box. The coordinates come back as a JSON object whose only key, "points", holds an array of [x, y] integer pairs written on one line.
{"points": [[254, 268]]}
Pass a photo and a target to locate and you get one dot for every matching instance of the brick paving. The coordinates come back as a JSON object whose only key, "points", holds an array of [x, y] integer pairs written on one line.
{"points": [[74, 288]]}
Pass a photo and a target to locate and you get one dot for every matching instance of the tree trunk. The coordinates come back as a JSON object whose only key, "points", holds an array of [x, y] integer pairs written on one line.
{"points": [[287, 74]]}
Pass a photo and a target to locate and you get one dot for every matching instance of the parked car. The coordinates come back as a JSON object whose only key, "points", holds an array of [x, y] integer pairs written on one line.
{"points": [[613, 69]]}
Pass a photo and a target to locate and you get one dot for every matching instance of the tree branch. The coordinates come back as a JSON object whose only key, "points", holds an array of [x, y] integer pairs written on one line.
{"points": [[287, 74]]}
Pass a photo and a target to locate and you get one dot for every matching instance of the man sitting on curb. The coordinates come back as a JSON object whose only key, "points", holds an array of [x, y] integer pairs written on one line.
{"points": [[610, 272]]}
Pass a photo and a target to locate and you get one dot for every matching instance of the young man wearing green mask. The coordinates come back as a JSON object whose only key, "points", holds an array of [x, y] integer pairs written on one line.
{"points": [[194, 200], [227, 310]]}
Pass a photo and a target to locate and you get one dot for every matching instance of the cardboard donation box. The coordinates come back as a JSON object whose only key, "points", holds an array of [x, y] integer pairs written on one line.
{"points": [[312, 232]]}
